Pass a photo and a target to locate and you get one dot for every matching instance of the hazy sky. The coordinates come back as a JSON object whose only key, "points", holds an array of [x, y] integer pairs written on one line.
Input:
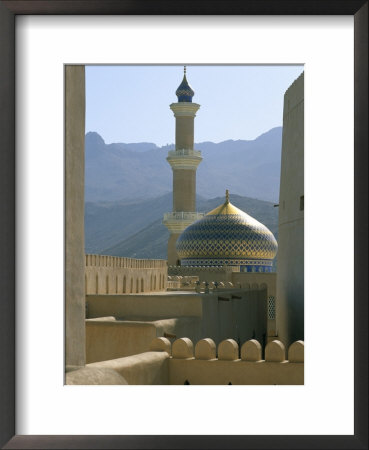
{"points": [[131, 103]]}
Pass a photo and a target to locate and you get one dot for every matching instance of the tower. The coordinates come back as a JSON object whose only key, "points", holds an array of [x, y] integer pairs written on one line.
{"points": [[290, 273], [184, 161]]}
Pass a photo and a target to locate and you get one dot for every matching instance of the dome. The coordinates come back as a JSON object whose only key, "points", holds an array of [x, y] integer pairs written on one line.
{"points": [[228, 236], [184, 91]]}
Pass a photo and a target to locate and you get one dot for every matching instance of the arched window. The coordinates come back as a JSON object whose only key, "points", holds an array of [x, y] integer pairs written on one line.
{"points": [[116, 284], [107, 284], [137, 286], [131, 285], [124, 284], [97, 283], [142, 285]]}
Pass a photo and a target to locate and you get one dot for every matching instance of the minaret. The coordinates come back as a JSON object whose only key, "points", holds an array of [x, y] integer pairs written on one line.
{"points": [[184, 161]]}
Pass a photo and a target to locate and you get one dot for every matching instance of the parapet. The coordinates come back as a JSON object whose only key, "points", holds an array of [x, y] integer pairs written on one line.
{"points": [[224, 365], [161, 344], [228, 350], [182, 348], [205, 349], [127, 263]]}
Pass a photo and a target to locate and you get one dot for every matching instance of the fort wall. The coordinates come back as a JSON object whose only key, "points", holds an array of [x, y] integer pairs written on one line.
{"points": [[108, 338], [114, 275], [234, 365], [205, 363], [150, 368]]}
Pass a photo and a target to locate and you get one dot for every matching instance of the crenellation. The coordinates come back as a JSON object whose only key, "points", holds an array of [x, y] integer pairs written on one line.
{"points": [[208, 369], [228, 350], [251, 351], [182, 348], [161, 344], [109, 274], [275, 351], [205, 349], [296, 352]]}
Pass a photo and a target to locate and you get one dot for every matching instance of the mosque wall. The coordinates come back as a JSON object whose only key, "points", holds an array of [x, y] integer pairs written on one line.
{"points": [[290, 279], [74, 217], [209, 274], [173, 257], [114, 275]]}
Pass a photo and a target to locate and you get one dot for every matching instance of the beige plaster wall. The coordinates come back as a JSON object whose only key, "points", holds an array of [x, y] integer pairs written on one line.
{"points": [[150, 368], [202, 366], [107, 338], [237, 314], [114, 275], [250, 280], [236, 372], [158, 306], [230, 364], [74, 216], [290, 279]]}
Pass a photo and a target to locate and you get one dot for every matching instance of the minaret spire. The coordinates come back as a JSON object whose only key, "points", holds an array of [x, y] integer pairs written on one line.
{"points": [[227, 196]]}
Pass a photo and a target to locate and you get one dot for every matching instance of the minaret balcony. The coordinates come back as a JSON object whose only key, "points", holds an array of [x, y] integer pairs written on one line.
{"points": [[184, 158], [178, 221], [186, 109], [184, 152]]}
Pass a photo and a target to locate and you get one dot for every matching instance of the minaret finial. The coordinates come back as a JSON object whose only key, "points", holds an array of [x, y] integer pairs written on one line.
{"points": [[227, 196], [184, 70]]}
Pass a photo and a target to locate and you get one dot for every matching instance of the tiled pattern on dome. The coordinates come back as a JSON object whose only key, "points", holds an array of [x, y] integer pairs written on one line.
{"points": [[243, 263], [226, 236]]}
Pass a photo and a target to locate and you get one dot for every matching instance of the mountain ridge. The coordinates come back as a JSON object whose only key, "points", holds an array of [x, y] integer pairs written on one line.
{"points": [[119, 171]]}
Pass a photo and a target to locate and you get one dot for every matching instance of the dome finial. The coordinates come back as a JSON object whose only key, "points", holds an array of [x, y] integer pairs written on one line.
{"points": [[184, 91], [227, 196]]}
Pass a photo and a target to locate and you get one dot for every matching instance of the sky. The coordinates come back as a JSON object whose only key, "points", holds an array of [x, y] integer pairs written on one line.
{"points": [[130, 103]]}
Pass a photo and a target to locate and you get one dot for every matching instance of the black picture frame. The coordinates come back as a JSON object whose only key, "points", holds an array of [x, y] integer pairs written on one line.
{"points": [[8, 11]]}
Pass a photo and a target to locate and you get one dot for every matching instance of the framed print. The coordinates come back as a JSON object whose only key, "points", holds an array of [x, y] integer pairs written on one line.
{"points": [[49, 413]]}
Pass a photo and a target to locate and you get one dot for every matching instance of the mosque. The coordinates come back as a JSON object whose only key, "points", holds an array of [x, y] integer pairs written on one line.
{"points": [[217, 290]]}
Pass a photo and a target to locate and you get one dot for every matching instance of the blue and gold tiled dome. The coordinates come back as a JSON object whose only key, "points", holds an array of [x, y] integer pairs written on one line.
{"points": [[228, 236], [184, 91]]}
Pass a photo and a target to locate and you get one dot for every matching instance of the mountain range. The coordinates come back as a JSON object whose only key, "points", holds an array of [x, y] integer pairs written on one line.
{"points": [[139, 171]]}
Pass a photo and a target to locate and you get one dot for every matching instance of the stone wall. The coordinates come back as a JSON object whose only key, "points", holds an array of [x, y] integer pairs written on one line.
{"points": [[74, 216], [115, 275], [205, 363], [208, 364], [290, 279], [108, 338]]}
